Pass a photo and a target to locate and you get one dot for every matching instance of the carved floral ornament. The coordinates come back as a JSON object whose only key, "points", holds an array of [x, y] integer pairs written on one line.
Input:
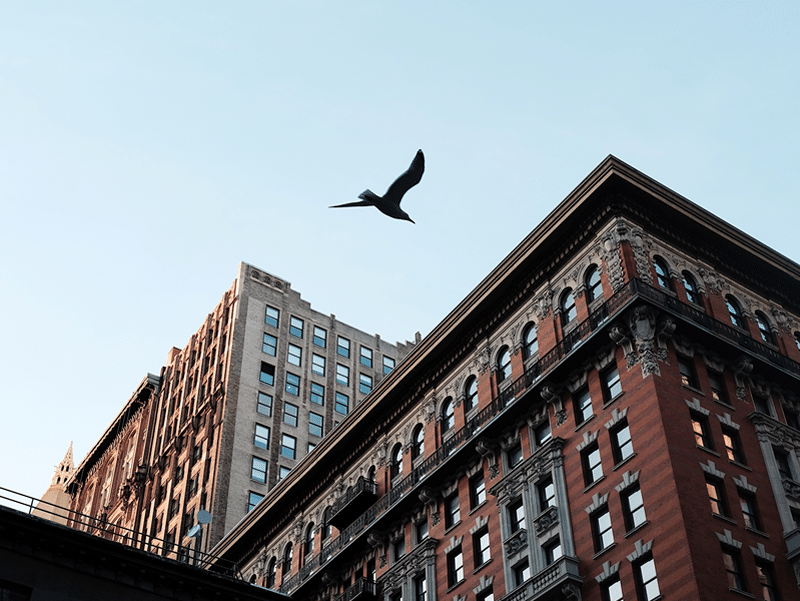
{"points": [[775, 433]]}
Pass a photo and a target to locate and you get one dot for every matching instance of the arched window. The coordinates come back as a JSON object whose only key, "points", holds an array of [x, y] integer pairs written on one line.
{"points": [[692, 291], [372, 473], [662, 273], [327, 529], [568, 310], [530, 342], [765, 329], [396, 464], [252, 579], [503, 364], [797, 340], [735, 311], [448, 415], [471, 393], [308, 546], [272, 569], [418, 442], [594, 288], [287, 563]]}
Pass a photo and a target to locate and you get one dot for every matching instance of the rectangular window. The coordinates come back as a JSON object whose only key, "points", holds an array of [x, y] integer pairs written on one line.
{"points": [[342, 374], [514, 455], [583, 406], [611, 590], [766, 578], [477, 490], [592, 466], [388, 364], [633, 507], [718, 391], [267, 374], [288, 446], [485, 595], [258, 470], [644, 573], [792, 418], [602, 533], [552, 551], [733, 567], [272, 316], [262, 437], [366, 356], [318, 364], [311, 446], [270, 345], [480, 546], [516, 515], [612, 387], [420, 589], [264, 406], [253, 500], [716, 495], [422, 531], [283, 472], [296, 327], [547, 494], [749, 510], [320, 337], [621, 443], [295, 355], [342, 403], [733, 445], [342, 346], [522, 571], [315, 422], [542, 434], [762, 404], [455, 567], [399, 548], [452, 513], [688, 373], [364, 383], [784, 464], [317, 393], [702, 431], [292, 384], [290, 413]]}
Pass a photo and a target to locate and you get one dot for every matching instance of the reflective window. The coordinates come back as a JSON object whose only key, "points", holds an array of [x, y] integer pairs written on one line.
{"points": [[594, 288]]}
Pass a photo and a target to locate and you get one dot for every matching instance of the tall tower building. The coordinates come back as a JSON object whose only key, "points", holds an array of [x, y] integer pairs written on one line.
{"points": [[256, 389], [55, 499], [612, 413]]}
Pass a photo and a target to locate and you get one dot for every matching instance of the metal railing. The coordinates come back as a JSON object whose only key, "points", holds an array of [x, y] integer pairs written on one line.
{"points": [[100, 526]]}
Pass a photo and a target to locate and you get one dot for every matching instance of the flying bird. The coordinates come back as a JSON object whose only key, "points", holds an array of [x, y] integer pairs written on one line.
{"points": [[389, 203]]}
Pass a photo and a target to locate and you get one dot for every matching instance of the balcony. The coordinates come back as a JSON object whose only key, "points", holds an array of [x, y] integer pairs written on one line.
{"points": [[361, 590], [555, 582], [355, 502]]}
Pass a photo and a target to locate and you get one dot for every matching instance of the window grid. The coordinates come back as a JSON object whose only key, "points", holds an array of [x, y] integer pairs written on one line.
{"points": [[452, 511], [733, 568], [733, 445], [296, 326], [317, 393], [343, 347], [269, 345], [388, 364], [320, 337], [716, 496], [292, 384], [602, 532], [612, 387], [261, 438], [264, 404], [267, 374], [633, 508], [295, 355], [342, 374], [315, 422], [646, 579], [253, 500], [477, 490], [455, 567], [258, 470], [364, 383], [583, 406], [318, 364], [290, 413], [621, 443], [480, 545], [366, 356], [272, 316], [288, 446], [592, 465], [342, 404]]}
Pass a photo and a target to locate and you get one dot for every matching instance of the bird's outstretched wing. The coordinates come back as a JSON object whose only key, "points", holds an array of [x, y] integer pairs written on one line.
{"points": [[357, 203], [408, 180]]}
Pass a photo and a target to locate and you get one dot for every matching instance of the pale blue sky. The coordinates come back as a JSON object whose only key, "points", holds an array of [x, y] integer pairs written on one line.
{"points": [[146, 150]]}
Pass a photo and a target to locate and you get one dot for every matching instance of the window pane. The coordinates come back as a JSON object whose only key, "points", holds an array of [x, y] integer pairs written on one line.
{"points": [[320, 337], [343, 346], [272, 316], [296, 327], [318, 364], [342, 403], [295, 355], [388, 364], [292, 384], [315, 422], [342, 375], [270, 345], [261, 437], [317, 394], [264, 405], [365, 383], [366, 356]]}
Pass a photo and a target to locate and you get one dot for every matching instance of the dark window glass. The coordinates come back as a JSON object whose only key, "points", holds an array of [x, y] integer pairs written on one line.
{"points": [[514, 455], [716, 495], [594, 288], [784, 464], [762, 404], [692, 291], [749, 510], [718, 391], [452, 512], [702, 431], [583, 406], [448, 415], [542, 433], [602, 532], [477, 490], [662, 274], [516, 515], [735, 312], [503, 364], [267, 374], [552, 551], [522, 571], [480, 546], [396, 465], [765, 329], [611, 590], [767, 582], [547, 494], [612, 387], [733, 568], [592, 466], [688, 373], [455, 567], [633, 507], [418, 442], [530, 341], [471, 393], [568, 310], [733, 445], [621, 443]]}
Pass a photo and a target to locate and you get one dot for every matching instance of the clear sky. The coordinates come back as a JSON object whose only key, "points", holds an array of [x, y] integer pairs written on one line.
{"points": [[147, 148]]}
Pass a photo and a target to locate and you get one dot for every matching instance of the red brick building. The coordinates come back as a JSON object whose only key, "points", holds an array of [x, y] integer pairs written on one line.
{"points": [[612, 413]]}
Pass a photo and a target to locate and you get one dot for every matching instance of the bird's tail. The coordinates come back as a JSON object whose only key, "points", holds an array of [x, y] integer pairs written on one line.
{"points": [[369, 195]]}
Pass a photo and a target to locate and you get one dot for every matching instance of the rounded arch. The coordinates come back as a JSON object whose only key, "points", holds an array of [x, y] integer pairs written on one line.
{"points": [[691, 287], [448, 414], [396, 461], [566, 304], [471, 393], [286, 567], [252, 579], [593, 284], [735, 311], [327, 529], [418, 441], [503, 363], [663, 273], [272, 572], [308, 542], [530, 340], [765, 328]]}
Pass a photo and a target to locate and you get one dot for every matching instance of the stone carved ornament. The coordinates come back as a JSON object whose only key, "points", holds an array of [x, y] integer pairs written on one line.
{"points": [[643, 341]]}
